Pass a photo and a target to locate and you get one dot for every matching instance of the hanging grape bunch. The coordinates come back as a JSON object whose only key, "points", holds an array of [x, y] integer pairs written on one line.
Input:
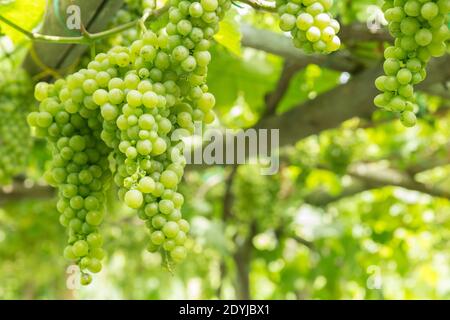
{"points": [[311, 25], [130, 106], [15, 138], [421, 32]]}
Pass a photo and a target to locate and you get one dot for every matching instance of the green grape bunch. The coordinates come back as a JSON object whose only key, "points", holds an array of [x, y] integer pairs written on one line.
{"points": [[120, 120], [15, 138], [311, 24], [421, 32]]}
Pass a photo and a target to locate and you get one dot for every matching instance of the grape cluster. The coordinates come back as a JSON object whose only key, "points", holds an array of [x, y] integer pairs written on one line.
{"points": [[421, 32], [125, 114], [15, 138], [312, 27]]}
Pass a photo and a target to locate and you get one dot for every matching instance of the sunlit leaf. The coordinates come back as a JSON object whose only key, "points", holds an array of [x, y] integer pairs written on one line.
{"points": [[24, 13]]}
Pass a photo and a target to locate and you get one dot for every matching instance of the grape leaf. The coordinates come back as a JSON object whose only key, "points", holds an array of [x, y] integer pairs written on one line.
{"points": [[250, 76], [229, 34], [24, 13]]}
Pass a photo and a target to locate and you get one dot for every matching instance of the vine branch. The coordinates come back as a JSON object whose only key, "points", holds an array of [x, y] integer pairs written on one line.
{"points": [[86, 37], [260, 5]]}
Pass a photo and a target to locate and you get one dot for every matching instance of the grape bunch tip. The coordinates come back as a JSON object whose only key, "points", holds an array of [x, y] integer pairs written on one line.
{"points": [[421, 32], [311, 24]]}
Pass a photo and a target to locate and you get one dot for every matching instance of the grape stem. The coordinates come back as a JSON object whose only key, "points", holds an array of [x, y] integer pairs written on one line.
{"points": [[144, 18], [260, 5], [86, 37]]}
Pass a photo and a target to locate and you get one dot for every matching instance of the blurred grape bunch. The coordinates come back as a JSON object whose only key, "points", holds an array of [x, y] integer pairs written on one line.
{"points": [[34, 270], [15, 138]]}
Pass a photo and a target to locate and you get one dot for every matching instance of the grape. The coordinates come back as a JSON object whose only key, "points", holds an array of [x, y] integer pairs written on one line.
{"points": [[287, 22], [171, 229], [85, 279], [421, 31], [311, 25], [120, 113], [408, 119], [178, 253], [134, 199]]}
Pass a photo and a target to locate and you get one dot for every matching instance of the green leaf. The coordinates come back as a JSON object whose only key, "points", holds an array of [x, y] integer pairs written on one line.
{"points": [[250, 77], [24, 13], [307, 84], [229, 34]]}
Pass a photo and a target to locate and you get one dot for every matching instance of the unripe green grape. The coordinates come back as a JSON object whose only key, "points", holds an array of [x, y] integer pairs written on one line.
{"points": [[169, 179], [406, 91], [408, 119], [414, 65], [159, 147], [90, 86], [189, 64], [109, 112], [95, 240], [68, 253], [429, 10], [150, 100], [404, 76], [134, 98], [146, 185], [395, 14], [169, 245], [379, 83], [304, 21], [94, 218], [380, 101], [313, 34], [80, 248], [144, 147], [134, 199], [170, 229], [391, 66], [166, 206], [423, 37], [322, 20], [151, 209], [287, 22], [184, 225], [157, 237], [178, 254], [85, 279], [97, 253], [412, 8], [196, 10]]}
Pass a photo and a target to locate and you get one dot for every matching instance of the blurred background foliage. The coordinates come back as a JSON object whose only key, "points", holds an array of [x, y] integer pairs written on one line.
{"points": [[358, 211]]}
